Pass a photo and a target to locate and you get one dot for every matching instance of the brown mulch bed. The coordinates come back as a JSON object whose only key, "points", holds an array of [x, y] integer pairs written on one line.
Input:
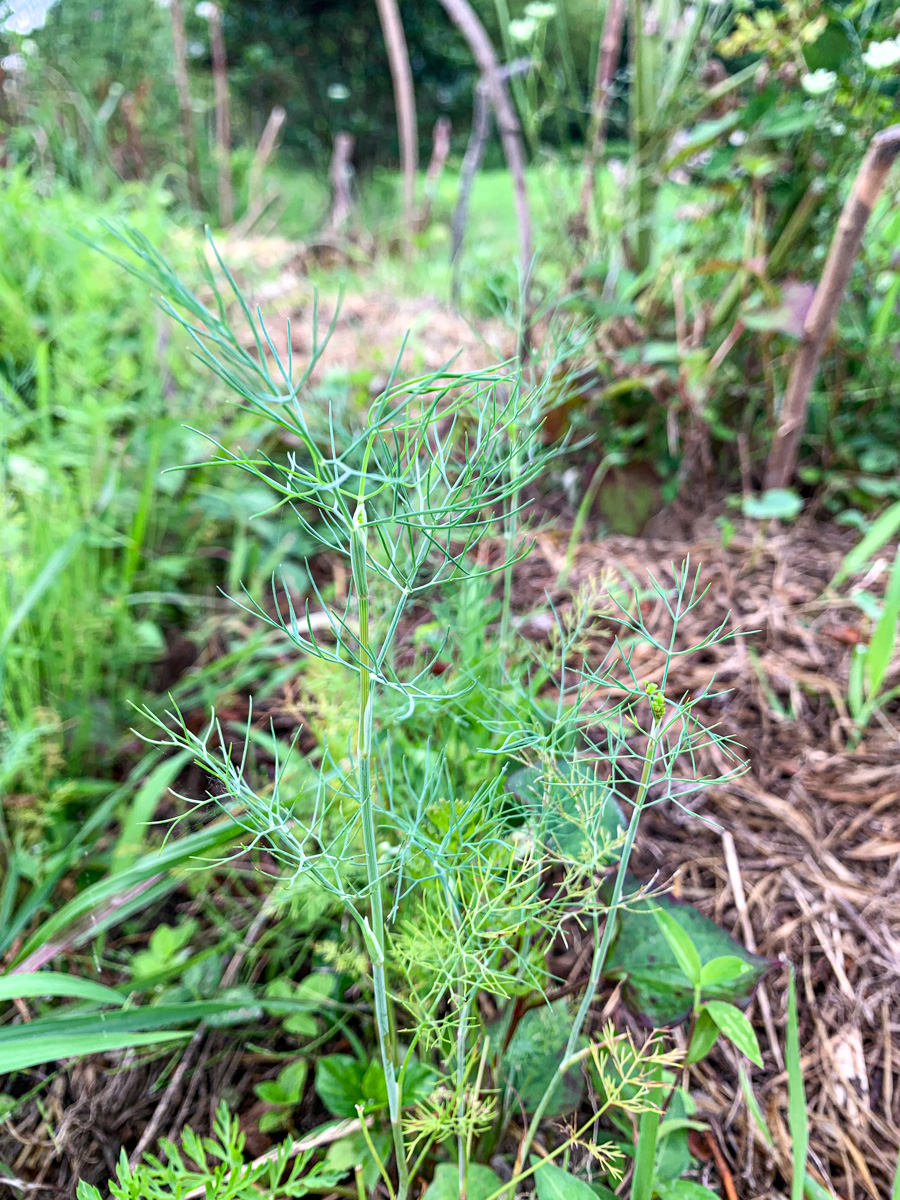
{"points": [[799, 857]]}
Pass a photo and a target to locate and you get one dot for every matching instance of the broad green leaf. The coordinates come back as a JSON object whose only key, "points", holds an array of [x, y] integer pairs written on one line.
{"points": [[655, 988], [673, 1154], [533, 1055], [685, 1189], [736, 1027], [575, 808], [722, 970], [481, 1182], [780, 504], [681, 946], [417, 1082], [352, 1151], [339, 1083], [52, 983], [705, 1036], [553, 1183], [293, 1078]]}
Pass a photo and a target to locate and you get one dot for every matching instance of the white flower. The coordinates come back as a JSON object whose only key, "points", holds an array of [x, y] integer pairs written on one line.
{"points": [[24, 16], [205, 10], [882, 55], [12, 63], [163, 3], [540, 10], [29, 46], [737, 138], [338, 91], [195, 49], [523, 29], [817, 83]]}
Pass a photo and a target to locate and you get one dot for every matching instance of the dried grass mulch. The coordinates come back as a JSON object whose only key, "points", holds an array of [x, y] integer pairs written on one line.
{"points": [[799, 857]]}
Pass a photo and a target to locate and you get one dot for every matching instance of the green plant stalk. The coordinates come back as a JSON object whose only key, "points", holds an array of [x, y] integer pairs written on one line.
{"points": [[461, 1140], [798, 1120], [375, 929], [512, 529], [639, 127], [584, 509], [571, 1056], [645, 1150]]}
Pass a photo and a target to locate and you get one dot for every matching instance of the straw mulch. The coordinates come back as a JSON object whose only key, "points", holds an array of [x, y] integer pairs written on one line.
{"points": [[799, 858]]}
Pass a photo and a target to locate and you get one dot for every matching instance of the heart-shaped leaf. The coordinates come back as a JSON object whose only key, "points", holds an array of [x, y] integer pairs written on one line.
{"points": [[574, 809], [481, 1182], [533, 1055], [655, 987]]}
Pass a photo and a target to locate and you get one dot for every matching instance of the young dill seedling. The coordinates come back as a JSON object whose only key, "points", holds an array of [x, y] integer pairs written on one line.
{"points": [[447, 894]]}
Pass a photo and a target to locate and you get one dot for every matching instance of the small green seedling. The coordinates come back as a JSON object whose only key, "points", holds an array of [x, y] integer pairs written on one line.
{"points": [[710, 1017], [284, 1094]]}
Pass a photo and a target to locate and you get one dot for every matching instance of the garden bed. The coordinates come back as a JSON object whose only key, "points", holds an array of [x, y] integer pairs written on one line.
{"points": [[797, 858]]}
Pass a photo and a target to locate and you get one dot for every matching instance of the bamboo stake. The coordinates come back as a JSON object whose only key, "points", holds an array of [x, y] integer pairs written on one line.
{"points": [[213, 15], [607, 60], [464, 17], [440, 150], [183, 88], [405, 103], [882, 153], [340, 173]]}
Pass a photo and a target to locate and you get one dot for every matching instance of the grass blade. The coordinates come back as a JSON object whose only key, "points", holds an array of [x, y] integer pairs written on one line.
{"points": [[37, 1051], [883, 529], [798, 1120], [52, 983], [881, 647]]}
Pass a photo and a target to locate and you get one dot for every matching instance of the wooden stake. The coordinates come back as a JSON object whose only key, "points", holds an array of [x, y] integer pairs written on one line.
{"points": [[223, 114], [340, 173], [263, 153], [440, 149], [607, 61], [464, 17], [405, 103], [882, 153], [183, 88]]}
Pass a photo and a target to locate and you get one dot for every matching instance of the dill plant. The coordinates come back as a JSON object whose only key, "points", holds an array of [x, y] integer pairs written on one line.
{"points": [[449, 883]]}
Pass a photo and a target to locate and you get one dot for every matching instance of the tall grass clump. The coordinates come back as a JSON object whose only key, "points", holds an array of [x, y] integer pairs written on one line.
{"points": [[98, 543], [476, 789]]}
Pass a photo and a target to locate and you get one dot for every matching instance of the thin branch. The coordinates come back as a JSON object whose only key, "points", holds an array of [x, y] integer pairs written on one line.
{"points": [[881, 155]]}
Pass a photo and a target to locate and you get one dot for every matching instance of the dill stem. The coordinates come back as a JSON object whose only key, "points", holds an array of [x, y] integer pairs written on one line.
{"points": [[570, 1055], [376, 938]]}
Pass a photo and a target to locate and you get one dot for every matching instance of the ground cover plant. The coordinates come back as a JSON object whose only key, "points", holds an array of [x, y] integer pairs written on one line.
{"points": [[441, 754]]}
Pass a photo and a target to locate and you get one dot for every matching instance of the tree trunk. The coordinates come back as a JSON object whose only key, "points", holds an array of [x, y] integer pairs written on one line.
{"points": [[223, 116], [183, 88], [405, 102], [882, 152], [464, 17], [607, 61]]}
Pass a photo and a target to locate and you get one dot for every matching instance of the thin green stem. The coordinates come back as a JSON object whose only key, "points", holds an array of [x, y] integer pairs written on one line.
{"points": [[571, 1056], [376, 928], [645, 1150]]}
